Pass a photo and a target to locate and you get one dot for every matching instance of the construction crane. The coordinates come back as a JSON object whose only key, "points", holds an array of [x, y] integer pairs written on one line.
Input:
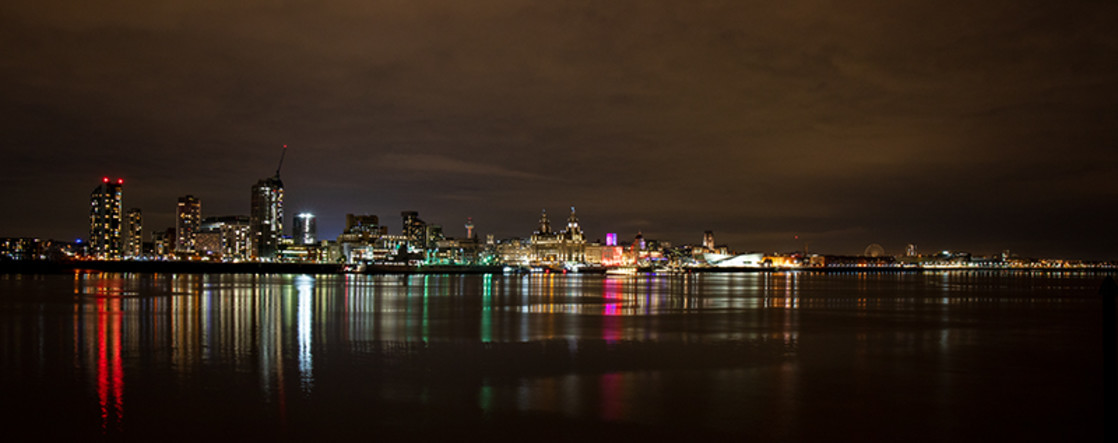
{"points": [[281, 161]]}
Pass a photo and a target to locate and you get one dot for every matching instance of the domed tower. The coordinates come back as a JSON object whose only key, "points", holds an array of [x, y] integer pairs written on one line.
{"points": [[574, 231], [545, 225]]}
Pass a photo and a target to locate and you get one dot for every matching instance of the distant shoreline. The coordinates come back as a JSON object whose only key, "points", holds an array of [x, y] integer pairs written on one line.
{"points": [[186, 267]]}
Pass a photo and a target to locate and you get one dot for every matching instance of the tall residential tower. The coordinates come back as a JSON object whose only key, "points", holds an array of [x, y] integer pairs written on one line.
{"points": [[188, 218], [105, 219], [135, 243], [266, 217]]}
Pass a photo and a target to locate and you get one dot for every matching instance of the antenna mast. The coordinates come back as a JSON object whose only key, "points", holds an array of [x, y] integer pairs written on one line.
{"points": [[281, 161]]}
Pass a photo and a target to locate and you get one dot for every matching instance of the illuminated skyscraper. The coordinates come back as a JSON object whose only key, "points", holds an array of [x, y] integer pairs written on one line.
{"points": [[305, 230], [266, 218], [414, 229], [135, 244], [105, 219], [470, 234], [188, 217]]}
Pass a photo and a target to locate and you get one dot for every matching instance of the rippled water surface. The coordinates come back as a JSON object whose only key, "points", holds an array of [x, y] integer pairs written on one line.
{"points": [[786, 356]]}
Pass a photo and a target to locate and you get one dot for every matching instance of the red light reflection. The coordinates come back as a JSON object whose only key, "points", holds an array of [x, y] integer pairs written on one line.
{"points": [[110, 371]]}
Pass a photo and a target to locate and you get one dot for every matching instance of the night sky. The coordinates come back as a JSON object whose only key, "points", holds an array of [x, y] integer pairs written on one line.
{"points": [[977, 126]]}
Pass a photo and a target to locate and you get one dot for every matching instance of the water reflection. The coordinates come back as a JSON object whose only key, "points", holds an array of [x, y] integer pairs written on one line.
{"points": [[754, 348], [305, 286], [110, 371]]}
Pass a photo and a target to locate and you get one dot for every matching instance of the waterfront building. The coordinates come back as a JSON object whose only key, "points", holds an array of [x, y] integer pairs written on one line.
{"points": [[305, 229], [443, 250], [135, 243], [708, 240], [157, 247], [553, 248], [188, 219], [208, 244], [544, 243], [514, 252], [105, 219], [236, 240], [163, 242], [358, 241], [432, 235], [646, 252], [266, 217], [304, 253], [747, 260], [612, 255], [362, 228], [414, 229], [594, 252], [21, 248], [384, 248], [227, 238]]}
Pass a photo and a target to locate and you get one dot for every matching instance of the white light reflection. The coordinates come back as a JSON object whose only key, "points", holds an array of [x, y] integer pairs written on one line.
{"points": [[304, 285]]}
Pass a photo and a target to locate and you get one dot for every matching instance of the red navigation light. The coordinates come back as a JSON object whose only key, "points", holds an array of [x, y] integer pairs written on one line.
{"points": [[120, 181], [104, 179], [285, 146]]}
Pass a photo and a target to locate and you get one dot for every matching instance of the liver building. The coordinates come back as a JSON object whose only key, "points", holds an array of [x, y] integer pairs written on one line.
{"points": [[556, 248]]}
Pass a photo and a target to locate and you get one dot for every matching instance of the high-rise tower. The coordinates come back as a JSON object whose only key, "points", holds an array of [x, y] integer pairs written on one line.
{"points": [[188, 218], [105, 219], [135, 243], [266, 216], [414, 229], [305, 230]]}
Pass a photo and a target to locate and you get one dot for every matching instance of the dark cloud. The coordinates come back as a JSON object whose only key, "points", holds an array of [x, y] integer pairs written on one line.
{"points": [[964, 125]]}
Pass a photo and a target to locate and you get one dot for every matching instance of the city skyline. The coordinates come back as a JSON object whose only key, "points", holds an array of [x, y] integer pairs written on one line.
{"points": [[262, 240], [976, 127]]}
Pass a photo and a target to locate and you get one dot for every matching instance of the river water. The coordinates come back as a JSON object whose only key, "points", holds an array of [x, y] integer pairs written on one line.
{"points": [[947, 356]]}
